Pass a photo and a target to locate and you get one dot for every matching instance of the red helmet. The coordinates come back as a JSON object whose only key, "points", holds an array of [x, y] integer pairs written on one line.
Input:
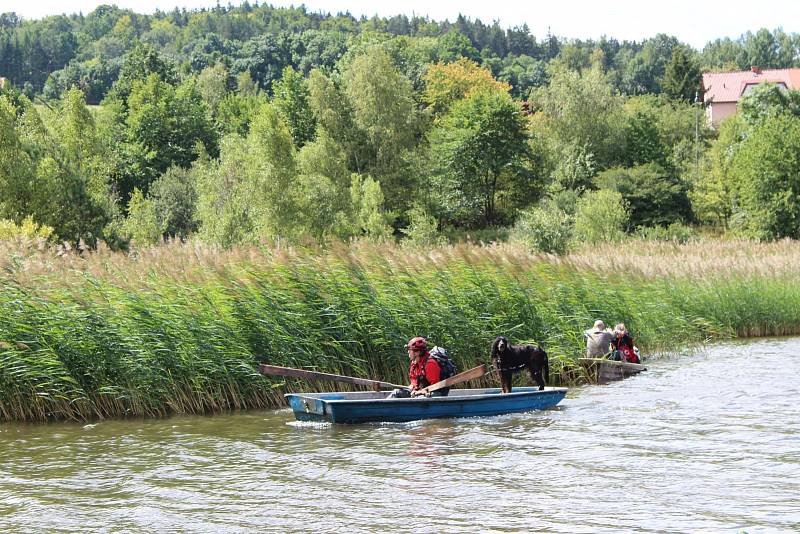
{"points": [[417, 343]]}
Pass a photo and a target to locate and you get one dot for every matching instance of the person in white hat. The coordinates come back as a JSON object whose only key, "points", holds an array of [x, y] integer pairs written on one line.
{"points": [[598, 340]]}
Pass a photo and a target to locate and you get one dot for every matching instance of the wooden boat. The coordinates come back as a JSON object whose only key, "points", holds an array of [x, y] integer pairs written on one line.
{"points": [[374, 406], [603, 370]]}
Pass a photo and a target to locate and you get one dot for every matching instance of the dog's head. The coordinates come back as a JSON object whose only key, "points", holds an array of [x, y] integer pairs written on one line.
{"points": [[499, 346]]}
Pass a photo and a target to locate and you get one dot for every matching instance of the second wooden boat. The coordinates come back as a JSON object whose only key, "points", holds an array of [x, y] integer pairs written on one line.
{"points": [[602, 370]]}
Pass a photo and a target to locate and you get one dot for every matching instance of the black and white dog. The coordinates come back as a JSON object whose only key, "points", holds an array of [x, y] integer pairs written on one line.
{"points": [[508, 359]]}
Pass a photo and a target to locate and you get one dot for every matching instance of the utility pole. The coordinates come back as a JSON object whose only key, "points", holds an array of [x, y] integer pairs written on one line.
{"points": [[696, 134]]}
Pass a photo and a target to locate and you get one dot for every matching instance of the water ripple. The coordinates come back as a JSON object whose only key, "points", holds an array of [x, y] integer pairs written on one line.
{"points": [[700, 443]]}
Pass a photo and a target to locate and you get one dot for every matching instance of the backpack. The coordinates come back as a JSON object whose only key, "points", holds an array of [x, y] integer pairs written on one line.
{"points": [[446, 366]]}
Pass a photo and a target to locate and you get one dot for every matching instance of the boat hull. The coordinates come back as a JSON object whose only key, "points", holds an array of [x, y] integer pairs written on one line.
{"points": [[365, 407], [602, 371]]}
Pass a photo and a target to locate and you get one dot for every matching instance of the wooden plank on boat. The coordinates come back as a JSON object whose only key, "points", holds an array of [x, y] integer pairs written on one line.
{"points": [[274, 370], [470, 374]]}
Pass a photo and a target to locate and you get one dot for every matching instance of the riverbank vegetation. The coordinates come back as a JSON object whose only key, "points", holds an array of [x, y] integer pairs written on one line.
{"points": [[180, 328]]}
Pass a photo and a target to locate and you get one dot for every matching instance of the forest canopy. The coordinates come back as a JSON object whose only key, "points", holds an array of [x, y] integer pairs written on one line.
{"points": [[242, 124]]}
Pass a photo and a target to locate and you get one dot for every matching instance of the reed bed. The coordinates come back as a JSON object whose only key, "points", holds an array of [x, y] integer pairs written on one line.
{"points": [[180, 328]]}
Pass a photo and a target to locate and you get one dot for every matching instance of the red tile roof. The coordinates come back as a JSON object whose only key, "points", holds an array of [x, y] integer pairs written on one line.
{"points": [[729, 86]]}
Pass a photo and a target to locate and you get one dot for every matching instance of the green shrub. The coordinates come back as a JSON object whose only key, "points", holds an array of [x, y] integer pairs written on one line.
{"points": [[676, 232], [422, 230], [493, 234], [543, 228], [142, 225], [27, 229], [600, 216]]}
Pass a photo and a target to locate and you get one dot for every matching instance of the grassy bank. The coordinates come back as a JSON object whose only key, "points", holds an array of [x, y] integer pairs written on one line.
{"points": [[181, 328]]}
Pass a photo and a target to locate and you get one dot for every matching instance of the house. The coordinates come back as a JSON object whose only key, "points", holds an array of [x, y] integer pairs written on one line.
{"points": [[2, 82], [722, 90]]}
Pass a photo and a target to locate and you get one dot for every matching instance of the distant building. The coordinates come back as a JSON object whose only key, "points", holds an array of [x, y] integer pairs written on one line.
{"points": [[722, 90], [2, 82]]}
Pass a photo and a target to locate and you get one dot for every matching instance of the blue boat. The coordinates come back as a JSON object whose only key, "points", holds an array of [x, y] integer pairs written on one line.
{"points": [[373, 406]]}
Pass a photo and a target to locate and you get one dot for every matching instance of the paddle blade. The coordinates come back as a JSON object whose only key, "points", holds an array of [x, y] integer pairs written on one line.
{"points": [[471, 374]]}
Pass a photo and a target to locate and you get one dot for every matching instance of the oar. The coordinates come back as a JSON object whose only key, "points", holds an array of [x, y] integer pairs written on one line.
{"points": [[377, 385], [471, 374]]}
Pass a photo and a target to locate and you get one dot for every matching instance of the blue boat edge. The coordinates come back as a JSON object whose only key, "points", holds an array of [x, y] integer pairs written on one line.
{"points": [[368, 407]]}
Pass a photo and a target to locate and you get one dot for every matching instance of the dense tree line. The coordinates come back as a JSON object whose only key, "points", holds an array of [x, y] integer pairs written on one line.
{"points": [[54, 53], [250, 123]]}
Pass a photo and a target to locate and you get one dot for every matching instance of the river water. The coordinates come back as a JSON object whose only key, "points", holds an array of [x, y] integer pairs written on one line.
{"points": [[702, 442]]}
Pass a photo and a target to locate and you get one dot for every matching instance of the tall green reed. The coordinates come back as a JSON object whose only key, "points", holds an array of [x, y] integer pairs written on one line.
{"points": [[181, 328]]}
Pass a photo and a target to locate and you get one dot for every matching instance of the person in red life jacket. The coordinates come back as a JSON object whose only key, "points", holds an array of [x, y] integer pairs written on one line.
{"points": [[622, 344], [423, 370]]}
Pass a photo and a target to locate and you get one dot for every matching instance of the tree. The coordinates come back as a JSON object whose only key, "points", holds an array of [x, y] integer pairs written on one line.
{"points": [[582, 109], [250, 193], [81, 160], [761, 49], [481, 148], [291, 100], [446, 83], [643, 68], [140, 63], [654, 195], [681, 76], [213, 83], [370, 216], [543, 228], [173, 196], [382, 100], [454, 45], [767, 100], [766, 174], [164, 126], [16, 165], [48, 176], [523, 73], [712, 193], [722, 54], [227, 209], [94, 77], [323, 190], [643, 141], [235, 112], [264, 57], [335, 114]]}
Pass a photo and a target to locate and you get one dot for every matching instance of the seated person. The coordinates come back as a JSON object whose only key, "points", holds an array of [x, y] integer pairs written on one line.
{"points": [[423, 371], [598, 340], [622, 343]]}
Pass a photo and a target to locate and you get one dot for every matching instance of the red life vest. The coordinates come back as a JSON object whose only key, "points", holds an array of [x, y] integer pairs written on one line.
{"points": [[625, 348]]}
